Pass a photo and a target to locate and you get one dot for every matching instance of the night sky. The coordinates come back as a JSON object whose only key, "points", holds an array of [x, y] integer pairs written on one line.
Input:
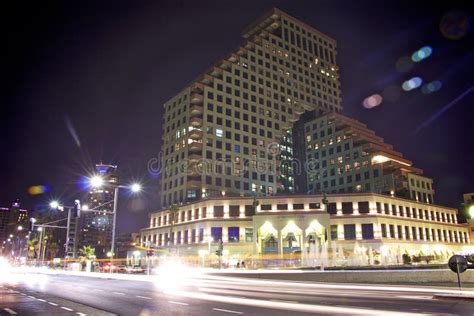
{"points": [[85, 82]]}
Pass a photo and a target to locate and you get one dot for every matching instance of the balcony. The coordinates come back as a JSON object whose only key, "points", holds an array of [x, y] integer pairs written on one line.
{"points": [[196, 98], [195, 134], [299, 109], [294, 117], [191, 183], [226, 65], [217, 72], [197, 88], [286, 126], [233, 58], [195, 146], [194, 157], [196, 122], [207, 80], [195, 110]]}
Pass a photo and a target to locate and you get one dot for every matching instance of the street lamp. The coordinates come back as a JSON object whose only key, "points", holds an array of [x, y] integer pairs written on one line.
{"points": [[96, 181], [471, 211], [54, 204], [136, 188], [20, 228]]}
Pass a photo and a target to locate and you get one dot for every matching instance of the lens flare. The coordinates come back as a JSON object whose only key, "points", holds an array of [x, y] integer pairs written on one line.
{"points": [[455, 24], [404, 64], [372, 101], [391, 93], [421, 54], [38, 189], [411, 84], [431, 87]]}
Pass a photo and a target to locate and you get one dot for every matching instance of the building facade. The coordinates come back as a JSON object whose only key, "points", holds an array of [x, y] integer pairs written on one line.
{"points": [[254, 143], [96, 227], [291, 224], [343, 155], [222, 132]]}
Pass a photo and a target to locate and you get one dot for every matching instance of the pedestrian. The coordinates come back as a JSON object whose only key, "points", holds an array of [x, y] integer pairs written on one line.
{"points": [[243, 265], [238, 264]]}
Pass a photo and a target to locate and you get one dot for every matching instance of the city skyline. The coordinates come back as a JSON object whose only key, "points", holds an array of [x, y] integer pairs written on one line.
{"points": [[84, 141]]}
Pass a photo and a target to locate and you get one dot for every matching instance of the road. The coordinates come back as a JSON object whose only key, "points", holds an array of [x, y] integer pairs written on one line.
{"points": [[33, 293]]}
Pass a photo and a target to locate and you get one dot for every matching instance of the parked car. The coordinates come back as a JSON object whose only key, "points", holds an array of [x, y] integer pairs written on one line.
{"points": [[135, 269], [108, 267]]}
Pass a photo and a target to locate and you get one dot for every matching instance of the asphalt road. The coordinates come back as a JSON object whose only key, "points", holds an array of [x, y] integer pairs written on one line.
{"points": [[177, 294]]}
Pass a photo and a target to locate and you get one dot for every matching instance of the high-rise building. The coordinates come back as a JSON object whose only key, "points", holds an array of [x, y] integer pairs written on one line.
{"points": [[225, 132], [343, 155], [4, 219], [96, 227], [265, 120]]}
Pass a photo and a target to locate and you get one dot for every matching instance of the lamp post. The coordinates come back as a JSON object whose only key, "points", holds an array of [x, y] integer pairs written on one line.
{"points": [[97, 182], [77, 205]]}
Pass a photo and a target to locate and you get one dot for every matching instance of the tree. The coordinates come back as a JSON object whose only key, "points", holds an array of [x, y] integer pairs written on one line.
{"points": [[87, 252], [53, 249], [32, 245]]}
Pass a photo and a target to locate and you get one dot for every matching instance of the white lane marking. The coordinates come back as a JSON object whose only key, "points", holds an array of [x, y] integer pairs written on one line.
{"points": [[288, 307], [41, 300], [81, 314], [10, 311], [66, 308], [144, 297], [178, 303], [31, 296], [13, 291], [23, 294], [119, 293], [226, 311], [52, 303], [284, 301], [415, 297]]}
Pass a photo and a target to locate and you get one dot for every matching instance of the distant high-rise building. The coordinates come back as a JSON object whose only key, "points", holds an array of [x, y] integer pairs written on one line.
{"points": [[4, 219], [96, 227], [226, 131]]}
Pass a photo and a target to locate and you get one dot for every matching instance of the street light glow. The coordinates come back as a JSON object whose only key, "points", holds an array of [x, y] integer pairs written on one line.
{"points": [[33, 220], [54, 204], [20, 228], [471, 211], [96, 181], [136, 187], [85, 207]]}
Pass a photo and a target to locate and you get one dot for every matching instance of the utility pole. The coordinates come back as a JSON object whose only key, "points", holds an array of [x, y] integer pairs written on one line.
{"points": [[219, 252], [116, 188]]}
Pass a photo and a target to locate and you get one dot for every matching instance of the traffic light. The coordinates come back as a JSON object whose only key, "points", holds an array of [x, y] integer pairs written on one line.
{"points": [[220, 248], [77, 208]]}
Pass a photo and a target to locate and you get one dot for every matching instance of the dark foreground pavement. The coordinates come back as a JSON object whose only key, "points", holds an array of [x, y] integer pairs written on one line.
{"points": [[50, 294]]}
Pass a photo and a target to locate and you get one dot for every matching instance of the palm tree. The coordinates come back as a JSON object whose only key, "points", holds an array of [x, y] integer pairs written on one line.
{"points": [[87, 252], [32, 245], [53, 249]]}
